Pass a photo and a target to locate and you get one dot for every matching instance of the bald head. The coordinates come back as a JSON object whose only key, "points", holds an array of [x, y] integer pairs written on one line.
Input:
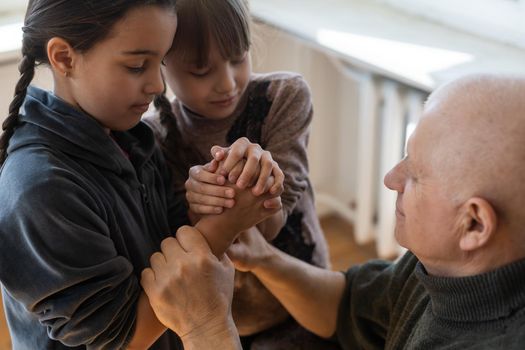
{"points": [[476, 126]]}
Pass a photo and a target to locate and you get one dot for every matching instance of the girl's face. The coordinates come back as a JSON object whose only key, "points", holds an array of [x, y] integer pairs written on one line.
{"points": [[213, 91], [116, 80]]}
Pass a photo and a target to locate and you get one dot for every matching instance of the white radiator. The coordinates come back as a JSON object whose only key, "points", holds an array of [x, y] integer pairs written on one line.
{"points": [[359, 129], [387, 113]]}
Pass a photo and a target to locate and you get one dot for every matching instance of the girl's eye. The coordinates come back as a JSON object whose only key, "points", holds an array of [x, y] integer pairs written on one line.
{"points": [[199, 74], [136, 70], [239, 60]]}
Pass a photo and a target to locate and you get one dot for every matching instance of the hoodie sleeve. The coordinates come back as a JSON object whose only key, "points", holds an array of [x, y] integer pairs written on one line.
{"points": [[177, 207], [58, 261]]}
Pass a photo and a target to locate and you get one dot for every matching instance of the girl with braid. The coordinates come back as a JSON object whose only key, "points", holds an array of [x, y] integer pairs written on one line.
{"points": [[249, 122], [86, 195]]}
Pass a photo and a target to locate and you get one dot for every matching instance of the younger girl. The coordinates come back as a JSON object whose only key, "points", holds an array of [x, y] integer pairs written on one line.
{"points": [[220, 102], [85, 195]]}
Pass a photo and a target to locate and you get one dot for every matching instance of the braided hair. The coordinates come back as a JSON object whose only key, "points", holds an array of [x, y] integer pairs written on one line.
{"points": [[27, 72], [81, 23], [179, 153]]}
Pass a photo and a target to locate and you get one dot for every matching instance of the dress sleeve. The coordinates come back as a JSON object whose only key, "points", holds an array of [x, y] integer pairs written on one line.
{"points": [[58, 261], [286, 135], [368, 303]]}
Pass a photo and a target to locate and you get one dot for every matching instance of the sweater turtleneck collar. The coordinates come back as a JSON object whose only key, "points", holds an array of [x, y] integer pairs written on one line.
{"points": [[488, 296]]}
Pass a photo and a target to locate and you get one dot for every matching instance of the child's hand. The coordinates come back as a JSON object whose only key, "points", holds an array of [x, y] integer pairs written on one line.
{"points": [[189, 289], [205, 192], [245, 163], [249, 210]]}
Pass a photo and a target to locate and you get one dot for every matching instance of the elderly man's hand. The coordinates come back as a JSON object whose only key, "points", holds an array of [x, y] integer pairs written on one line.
{"points": [[250, 250], [189, 289]]}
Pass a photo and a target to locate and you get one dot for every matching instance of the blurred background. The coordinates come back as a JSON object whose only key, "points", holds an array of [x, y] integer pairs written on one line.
{"points": [[370, 65]]}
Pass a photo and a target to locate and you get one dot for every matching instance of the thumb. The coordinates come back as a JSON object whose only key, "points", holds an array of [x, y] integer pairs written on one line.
{"points": [[211, 166], [235, 252], [219, 153], [273, 203], [147, 280]]}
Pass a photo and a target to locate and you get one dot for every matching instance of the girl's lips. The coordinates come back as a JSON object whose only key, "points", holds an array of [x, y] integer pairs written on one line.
{"points": [[225, 102], [141, 107]]}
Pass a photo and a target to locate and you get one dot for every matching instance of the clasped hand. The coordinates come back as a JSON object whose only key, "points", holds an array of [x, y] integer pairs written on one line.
{"points": [[189, 288], [244, 164]]}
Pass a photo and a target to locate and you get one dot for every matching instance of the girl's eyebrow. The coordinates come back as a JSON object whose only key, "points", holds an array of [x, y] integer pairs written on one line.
{"points": [[141, 52]]}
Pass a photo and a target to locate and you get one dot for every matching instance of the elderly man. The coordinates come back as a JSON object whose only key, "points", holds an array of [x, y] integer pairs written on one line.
{"points": [[460, 214]]}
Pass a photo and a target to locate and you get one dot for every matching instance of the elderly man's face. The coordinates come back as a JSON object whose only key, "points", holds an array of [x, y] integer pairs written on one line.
{"points": [[425, 215]]}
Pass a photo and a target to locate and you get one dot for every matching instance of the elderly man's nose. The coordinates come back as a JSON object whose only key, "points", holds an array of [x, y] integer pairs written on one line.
{"points": [[394, 179]]}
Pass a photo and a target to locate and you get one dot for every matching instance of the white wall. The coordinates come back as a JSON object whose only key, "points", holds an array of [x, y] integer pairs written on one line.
{"points": [[334, 128], [9, 77]]}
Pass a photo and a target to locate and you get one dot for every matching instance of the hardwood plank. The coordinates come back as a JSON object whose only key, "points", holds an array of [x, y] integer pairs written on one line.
{"points": [[344, 251], [5, 340]]}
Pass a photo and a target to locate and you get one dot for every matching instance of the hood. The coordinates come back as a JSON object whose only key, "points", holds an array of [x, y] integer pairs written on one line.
{"points": [[47, 120]]}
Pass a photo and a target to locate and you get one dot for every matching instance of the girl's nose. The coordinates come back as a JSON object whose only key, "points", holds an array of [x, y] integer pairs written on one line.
{"points": [[226, 82], [155, 86]]}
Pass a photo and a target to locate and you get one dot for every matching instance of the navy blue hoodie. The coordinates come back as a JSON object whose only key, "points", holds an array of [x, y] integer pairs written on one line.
{"points": [[79, 219]]}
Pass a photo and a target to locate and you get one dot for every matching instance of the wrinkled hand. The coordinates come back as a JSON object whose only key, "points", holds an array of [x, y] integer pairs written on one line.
{"points": [[249, 250], [246, 163], [189, 289]]}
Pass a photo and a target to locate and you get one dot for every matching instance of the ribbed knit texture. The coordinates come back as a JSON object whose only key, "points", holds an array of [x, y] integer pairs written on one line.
{"points": [[489, 296], [399, 306]]}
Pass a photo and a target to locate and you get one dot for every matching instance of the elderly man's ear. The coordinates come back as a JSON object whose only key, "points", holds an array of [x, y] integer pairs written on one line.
{"points": [[479, 222]]}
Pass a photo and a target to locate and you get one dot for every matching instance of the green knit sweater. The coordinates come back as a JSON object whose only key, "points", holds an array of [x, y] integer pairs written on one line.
{"points": [[399, 306]]}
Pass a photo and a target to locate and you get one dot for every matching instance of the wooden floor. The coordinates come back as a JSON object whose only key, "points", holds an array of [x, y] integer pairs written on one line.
{"points": [[343, 250], [5, 343]]}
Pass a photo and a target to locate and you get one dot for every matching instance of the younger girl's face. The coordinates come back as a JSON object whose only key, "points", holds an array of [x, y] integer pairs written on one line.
{"points": [[115, 80], [213, 91]]}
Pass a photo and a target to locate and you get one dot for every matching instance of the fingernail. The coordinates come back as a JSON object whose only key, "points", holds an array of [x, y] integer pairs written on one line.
{"points": [[220, 180], [229, 193], [240, 183], [230, 203], [232, 178], [218, 210]]}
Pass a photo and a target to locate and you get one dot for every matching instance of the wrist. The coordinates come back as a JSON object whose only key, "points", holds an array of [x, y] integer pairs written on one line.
{"points": [[267, 259], [217, 334], [218, 233]]}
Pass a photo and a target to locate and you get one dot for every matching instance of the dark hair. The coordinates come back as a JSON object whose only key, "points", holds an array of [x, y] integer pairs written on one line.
{"points": [[227, 22], [81, 23]]}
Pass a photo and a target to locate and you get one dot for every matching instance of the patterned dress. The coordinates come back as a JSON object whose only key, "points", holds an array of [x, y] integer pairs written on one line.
{"points": [[275, 112]]}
